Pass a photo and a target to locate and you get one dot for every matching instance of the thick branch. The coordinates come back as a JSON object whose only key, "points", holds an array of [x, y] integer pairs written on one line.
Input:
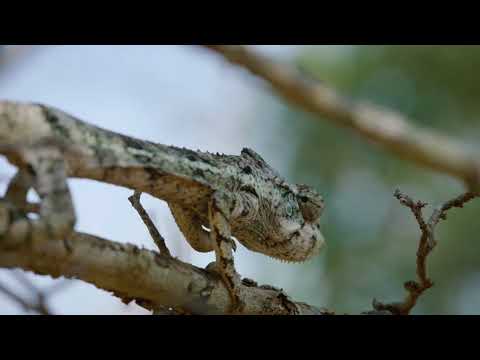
{"points": [[155, 280], [137, 274], [386, 128]]}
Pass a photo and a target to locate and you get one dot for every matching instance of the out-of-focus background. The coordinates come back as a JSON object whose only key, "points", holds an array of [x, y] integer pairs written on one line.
{"points": [[186, 96]]}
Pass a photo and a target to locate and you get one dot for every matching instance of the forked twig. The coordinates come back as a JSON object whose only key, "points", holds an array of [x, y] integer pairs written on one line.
{"points": [[426, 245]]}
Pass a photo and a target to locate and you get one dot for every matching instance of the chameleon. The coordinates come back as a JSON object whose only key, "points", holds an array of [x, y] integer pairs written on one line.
{"points": [[215, 199]]}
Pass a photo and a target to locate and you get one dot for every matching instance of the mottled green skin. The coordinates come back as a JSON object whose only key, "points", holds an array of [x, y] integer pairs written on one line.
{"points": [[264, 212]]}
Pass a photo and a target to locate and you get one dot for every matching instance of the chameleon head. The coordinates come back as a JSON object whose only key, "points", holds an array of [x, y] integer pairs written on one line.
{"points": [[299, 232], [310, 202], [311, 205]]}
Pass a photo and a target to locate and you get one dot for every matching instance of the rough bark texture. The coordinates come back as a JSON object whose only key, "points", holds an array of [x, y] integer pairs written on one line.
{"points": [[240, 196], [145, 276]]}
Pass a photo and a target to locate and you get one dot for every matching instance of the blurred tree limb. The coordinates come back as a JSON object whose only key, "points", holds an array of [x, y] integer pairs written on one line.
{"points": [[38, 307], [384, 127], [390, 130], [41, 297]]}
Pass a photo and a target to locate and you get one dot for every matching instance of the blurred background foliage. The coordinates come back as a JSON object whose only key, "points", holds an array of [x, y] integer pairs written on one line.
{"points": [[371, 238]]}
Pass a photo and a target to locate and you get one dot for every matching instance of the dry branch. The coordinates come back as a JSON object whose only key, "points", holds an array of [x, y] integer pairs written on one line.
{"points": [[38, 307], [152, 229], [426, 245], [386, 128], [152, 279], [39, 304]]}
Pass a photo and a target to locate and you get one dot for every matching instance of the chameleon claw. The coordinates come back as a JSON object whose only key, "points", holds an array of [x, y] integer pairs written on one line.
{"points": [[237, 305], [249, 282], [212, 267], [234, 244]]}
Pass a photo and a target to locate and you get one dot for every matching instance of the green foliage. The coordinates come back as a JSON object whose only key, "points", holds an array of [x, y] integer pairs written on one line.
{"points": [[372, 239]]}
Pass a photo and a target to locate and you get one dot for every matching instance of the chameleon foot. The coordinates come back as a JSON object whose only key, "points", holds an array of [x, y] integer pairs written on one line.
{"points": [[233, 285], [41, 168]]}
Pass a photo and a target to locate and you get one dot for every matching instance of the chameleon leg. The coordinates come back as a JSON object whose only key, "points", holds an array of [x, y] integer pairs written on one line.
{"points": [[219, 215], [44, 170], [190, 225], [18, 188]]}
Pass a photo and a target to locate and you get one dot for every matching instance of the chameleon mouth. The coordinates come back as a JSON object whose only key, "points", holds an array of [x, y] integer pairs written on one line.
{"points": [[290, 261], [291, 255]]}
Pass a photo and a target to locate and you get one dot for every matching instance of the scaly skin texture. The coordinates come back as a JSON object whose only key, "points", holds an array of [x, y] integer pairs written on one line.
{"points": [[239, 196]]}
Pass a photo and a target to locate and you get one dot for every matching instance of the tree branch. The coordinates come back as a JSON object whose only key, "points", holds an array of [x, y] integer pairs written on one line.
{"points": [[39, 306], [386, 128], [152, 229], [426, 245], [152, 279], [26, 305]]}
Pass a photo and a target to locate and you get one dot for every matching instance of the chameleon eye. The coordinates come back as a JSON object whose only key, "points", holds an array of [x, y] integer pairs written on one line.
{"points": [[289, 210]]}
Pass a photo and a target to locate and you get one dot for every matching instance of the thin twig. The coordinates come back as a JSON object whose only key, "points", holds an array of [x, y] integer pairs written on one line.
{"points": [[153, 280], [389, 129], [426, 245], [14, 297], [22, 279], [152, 229], [40, 296], [38, 307]]}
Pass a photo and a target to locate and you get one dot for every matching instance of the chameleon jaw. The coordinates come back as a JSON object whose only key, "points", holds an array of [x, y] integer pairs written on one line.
{"points": [[302, 246]]}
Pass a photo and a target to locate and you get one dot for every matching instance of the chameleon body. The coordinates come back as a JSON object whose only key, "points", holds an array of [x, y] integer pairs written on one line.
{"points": [[238, 197]]}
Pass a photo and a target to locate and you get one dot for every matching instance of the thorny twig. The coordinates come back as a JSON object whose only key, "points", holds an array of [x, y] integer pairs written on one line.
{"points": [[426, 244], [152, 229]]}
